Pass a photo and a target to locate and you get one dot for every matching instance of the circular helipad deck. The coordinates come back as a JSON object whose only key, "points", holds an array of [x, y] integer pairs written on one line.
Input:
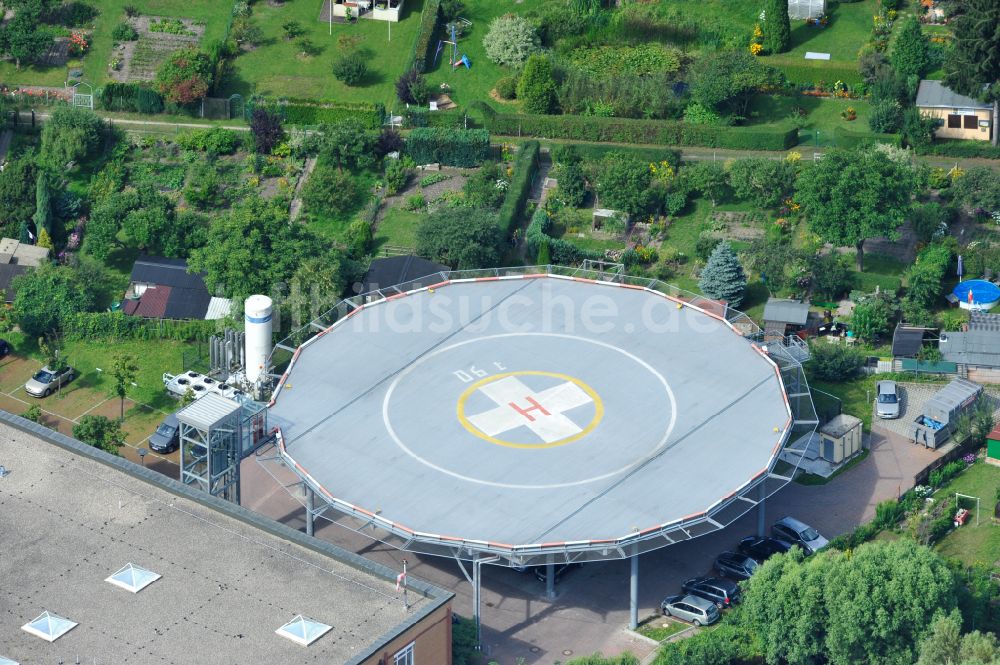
{"points": [[531, 412]]}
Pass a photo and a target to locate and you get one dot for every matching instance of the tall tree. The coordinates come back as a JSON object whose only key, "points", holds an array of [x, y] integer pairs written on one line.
{"points": [[726, 81], [870, 606], [536, 88], [852, 195], [723, 277], [43, 205], [973, 64], [24, 38], [124, 371], [910, 52], [185, 77], [777, 29], [17, 193], [48, 294], [462, 239], [267, 131]]}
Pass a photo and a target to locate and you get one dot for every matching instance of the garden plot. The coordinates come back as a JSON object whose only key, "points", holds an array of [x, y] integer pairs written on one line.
{"points": [[158, 38], [743, 226]]}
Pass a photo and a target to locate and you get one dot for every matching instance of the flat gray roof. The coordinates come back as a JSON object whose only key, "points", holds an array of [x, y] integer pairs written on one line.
{"points": [[531, 410], [68, 522], [786, 311], [934, 94]]}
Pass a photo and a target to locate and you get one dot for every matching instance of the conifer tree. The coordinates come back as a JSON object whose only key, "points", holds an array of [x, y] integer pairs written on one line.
{"points": [[723, 277]]}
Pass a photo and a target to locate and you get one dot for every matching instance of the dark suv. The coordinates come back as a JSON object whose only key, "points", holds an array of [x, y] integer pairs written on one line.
{"points": [[722, 592], [735, 566], [761, 549]]}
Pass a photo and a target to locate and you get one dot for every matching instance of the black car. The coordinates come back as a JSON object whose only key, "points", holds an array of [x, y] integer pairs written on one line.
{"points": [[4, 348], [166, 438], [761, 549], [722, 592], [735, 566]]}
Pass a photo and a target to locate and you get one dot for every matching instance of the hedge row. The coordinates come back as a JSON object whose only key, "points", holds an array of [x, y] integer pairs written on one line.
{"points": [[120, 326], [595, 153], [304, 112], [825, 73], [627, 130], [958, 148], [846, 139], [130, 97], [561, 252], [421, 51], [525, 169], [450, 147]]}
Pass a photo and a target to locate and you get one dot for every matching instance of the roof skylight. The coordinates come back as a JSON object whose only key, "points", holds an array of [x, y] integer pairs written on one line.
{"points": [[303, 630], [50, 627], [7, 661], [133, 578]]}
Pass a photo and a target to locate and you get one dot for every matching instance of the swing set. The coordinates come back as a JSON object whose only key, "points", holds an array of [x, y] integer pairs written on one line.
{"points": [[454, 60]]}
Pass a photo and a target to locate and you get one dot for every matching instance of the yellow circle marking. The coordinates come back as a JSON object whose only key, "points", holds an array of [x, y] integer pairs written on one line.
{"points": [[463, 398]]}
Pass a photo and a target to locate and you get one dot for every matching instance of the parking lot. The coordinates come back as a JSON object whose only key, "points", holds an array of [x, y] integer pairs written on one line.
{"points": [[81, 397], [590, 612]]}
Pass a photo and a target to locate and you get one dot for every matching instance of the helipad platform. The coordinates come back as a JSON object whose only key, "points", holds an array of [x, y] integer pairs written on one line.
{"points": [[533, 413]]}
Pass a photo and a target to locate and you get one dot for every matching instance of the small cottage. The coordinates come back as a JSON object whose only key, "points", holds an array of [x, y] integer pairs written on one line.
{"points": [[960, 117]]}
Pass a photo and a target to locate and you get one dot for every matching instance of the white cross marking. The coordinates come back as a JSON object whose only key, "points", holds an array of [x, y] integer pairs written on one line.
{"points": [[542, 413]]}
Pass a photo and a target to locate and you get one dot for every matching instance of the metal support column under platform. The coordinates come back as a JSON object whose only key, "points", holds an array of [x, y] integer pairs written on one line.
{"points": [[633, 608]]}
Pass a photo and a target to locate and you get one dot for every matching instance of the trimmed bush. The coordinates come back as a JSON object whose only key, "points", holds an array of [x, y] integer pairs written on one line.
{"points": [[525, 169], [130, 97], [351, 69], [124, 32], [421, 52], [507, 87], [304, 112], [120, 326], [627, 130], [959, 148], [451, 147]]}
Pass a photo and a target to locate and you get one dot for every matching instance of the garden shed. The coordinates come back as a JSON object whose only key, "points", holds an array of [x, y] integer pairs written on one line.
{"points": [[783, 315], [941, 412], [993, 446], [840, 438], [806, 9]]}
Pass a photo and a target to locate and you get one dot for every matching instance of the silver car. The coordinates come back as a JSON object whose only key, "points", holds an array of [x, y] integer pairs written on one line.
{"points": [[46, 381], [887, 402], [697, 610], [799, 533]]}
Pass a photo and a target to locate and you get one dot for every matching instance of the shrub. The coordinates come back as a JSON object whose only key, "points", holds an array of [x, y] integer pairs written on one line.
{"points": [[486, 188], [452, 147], [215, 141], [397, 174], [536, 88], [886, 116], [389, 140], [350, 69], [415, 202], [510, 40], [461, 238], [762, 181], [957, 148], [71, 134], [185, 76], [73, 14], [628, 130], [266, 129], [329, 192], [411, 88], [888, 514], [572, 184], [696, 114], [525, 168], [561, 252], [292, 29], [830, 274], [130, 97], [506, 87], [100, 432], [835, 362], [124, 32]]}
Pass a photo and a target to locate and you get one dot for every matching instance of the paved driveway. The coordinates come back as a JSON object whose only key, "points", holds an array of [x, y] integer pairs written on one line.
{"points": [[591, 609]]}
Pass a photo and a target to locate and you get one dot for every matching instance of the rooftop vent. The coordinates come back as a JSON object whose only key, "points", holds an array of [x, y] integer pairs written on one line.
{"points": [[7, 661], [4, 472], [133, 578], [303, 630], [50, 627]]}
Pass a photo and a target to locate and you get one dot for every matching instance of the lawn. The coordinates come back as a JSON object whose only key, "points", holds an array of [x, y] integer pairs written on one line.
{"points": [[468, 85], [970, 543], [882, 271], [824, 124], [397, 229], [660, 628], [848, 30], [277, 67]]}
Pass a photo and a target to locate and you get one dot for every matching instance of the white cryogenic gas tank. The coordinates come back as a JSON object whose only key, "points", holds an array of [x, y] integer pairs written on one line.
{"points": [[257, 312]]}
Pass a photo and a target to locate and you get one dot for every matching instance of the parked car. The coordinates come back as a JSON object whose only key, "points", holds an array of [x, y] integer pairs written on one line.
{"points": [[167, 437], [735, 566], [722, 592], [46, 381], [697, 610], [799, 533], [4, 348], [887, 402], [761, 549]]}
